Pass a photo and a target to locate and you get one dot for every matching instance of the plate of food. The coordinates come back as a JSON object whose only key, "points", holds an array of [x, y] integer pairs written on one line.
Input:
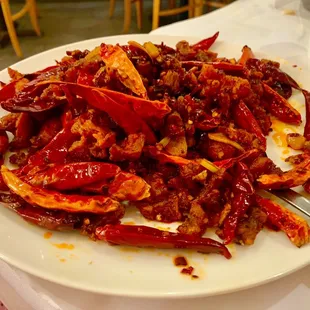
{"points": [[140, 166]]}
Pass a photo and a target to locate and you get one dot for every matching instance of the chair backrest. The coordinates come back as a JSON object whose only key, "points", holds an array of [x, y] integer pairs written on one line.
{"points": [[218, 4]]}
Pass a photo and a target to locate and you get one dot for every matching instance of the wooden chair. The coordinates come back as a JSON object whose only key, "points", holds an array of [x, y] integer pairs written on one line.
{"points": [[30, 8], [198, 5], [127, 12], [172, 10]]}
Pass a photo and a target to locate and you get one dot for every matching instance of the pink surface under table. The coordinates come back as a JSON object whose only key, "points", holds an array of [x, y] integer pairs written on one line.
{"points": [[2, 306]]}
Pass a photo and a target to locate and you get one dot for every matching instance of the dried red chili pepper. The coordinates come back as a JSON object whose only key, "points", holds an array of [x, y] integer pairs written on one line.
{"points": [[56, 201], [280, 107], [246, 120], [47, 132], [243, 196], [74, 175], [295, 227], [122, 115], [58, 219], [29, 98], [143, 236], [206, 43], [54, 152], [272, 75], [306, 94], [49, 219], [228, 163], [145, 108], [20, 95], [10, 90]]}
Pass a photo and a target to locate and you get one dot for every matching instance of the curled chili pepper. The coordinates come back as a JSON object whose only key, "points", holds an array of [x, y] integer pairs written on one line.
{"points": [[281, 108], [246, 120], [228, 163], [74, 175], [299, 175], [53, 200], [206, 43], [243, 196], [143, 236], [295, 227]]}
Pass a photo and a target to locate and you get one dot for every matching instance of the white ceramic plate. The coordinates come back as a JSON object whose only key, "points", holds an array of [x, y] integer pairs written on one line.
{"points": [[98, 267]]}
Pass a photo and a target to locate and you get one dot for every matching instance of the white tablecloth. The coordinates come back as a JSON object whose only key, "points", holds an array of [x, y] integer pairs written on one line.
{"points": [[266, 25]]}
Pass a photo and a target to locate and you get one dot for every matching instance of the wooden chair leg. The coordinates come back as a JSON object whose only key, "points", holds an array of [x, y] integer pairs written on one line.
{"points": [[127, 15], [198, 7], [32, 10], [191, 4], [10, 27], [139, 10], [112, 8], [156, 8]]}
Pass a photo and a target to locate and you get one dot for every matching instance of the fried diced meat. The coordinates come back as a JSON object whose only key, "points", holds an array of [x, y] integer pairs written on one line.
{"points": [[129, 149]]}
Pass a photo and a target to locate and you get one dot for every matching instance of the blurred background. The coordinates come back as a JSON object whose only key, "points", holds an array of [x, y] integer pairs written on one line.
{"points": [[62, 22]]}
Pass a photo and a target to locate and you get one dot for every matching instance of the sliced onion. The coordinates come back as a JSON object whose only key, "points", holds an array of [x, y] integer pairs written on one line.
{"points": [[208, 165], [164, 142], [151, 49], [219, 137], [140, 47]]}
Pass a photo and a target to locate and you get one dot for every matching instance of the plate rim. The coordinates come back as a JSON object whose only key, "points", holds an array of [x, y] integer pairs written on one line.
{"points": [[51, 277]]}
